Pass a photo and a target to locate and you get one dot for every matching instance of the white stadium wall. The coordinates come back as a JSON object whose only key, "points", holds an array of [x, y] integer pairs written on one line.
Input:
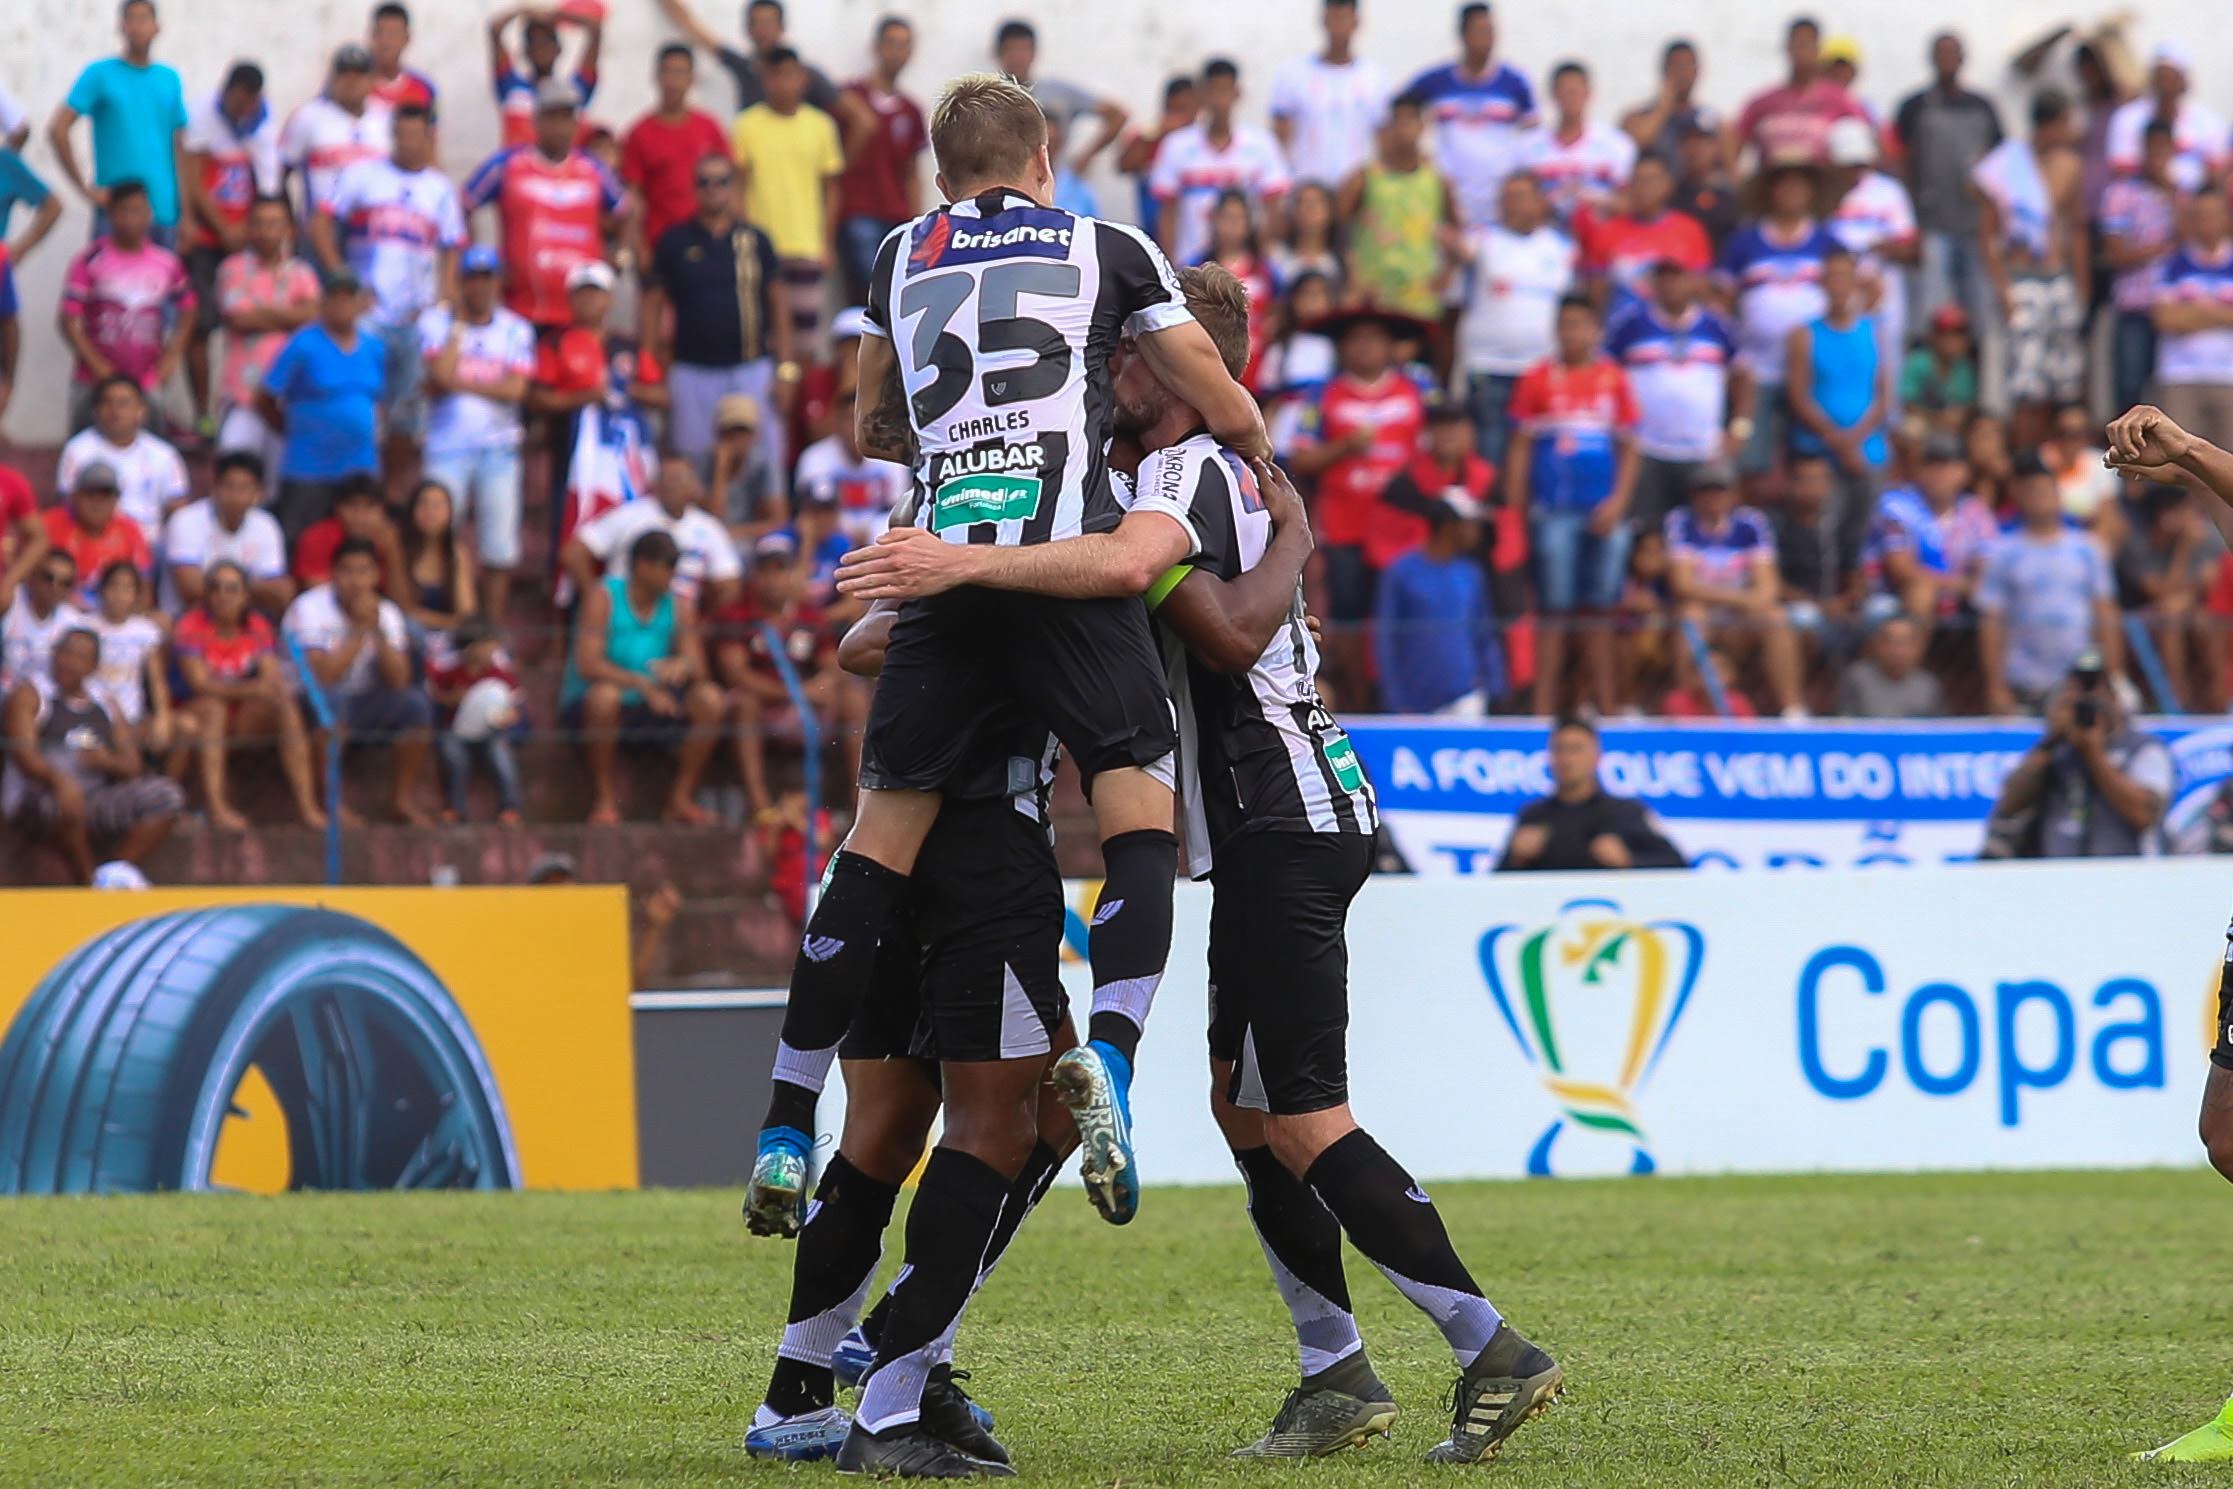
{"points": [[1124, 49]]}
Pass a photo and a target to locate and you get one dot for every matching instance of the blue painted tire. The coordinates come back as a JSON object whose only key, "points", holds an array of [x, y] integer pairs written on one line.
{"points": [[119, 1071]]}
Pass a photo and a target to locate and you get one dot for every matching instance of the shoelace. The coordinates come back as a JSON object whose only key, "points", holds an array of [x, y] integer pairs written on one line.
{"points": [[1290, 1411]]}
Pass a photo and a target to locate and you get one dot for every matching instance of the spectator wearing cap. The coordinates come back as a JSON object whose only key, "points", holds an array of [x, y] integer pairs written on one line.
{"points": [[728, 332], [2164, 568], [1888, 680], [264, 295], [864, 490], [231, 158], [1723, 578], [358, 649], [227, 526], [885, 136], [1939, 379], [323, 393], [138, 109], [74, 777], [815, 412], [44, 607], [2032, 236], [555, 204], [358, 512], [788, 154], [520, 83], [1927, 542], [1326, 107], [2045, 599], [1944, 129], [1581, 825], [2092, 787], [660, 153], [1482, 109], [1791, 121], [638, 670], [1694, 397], [1772, 268], [1621, 250], [477, 695], [127, 304], [763, 33], [744, 493], [706, 569], [776, 617], [2194, 318], [1521, 267], [1674, 112], [601, 389], [1395, 205], [2139, 225], [335, 130], [1582, 162], [822, 547], [2199, 134], [1840, 387], [89, 528], [1572, 473], [479, 358], [1875, 220], [1434, 631], [150, 476]]}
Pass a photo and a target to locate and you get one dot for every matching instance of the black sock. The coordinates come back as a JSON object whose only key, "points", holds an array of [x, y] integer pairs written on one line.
{"points": [[1302, 1242], [957, 1206], [835, 959], [1389, 1218], [836, 1259], [1024, 1194], [1129, 942]]}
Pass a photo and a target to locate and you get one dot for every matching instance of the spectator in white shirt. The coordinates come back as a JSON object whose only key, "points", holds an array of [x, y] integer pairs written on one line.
{"points": [[2198, 130], [150, 478], [1213, 155], [1875, 220], [336, 129], [1521, 266], [133, 668], [359, 653], [227, 526], [1325, 108], [478, 363], [1582, 162], [45, 607], [863, 490], [707, 569]]}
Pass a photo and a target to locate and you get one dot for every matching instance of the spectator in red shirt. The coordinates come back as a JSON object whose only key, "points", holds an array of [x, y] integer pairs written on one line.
{"points": [[236, 686], [1792, 120], [1446, 465], [555, 202], [775, 612], [357, 513], [884, 136], [1368, 423], [520, 90], [90, 529], [393, 84], [23, 537], [1619, 253], [663, 148]]}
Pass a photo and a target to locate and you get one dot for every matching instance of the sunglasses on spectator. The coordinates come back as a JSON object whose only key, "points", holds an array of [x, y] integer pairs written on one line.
{"points": [[723, 179]]}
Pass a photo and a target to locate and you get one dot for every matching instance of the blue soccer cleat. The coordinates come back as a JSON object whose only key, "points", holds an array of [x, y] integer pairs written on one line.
{"points": [[805, 1438], [775, 1199], [852, 1357], [1095, 1082]]}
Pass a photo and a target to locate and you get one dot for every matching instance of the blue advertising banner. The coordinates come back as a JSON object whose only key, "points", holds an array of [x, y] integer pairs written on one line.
{"points": [[1746, 795]]}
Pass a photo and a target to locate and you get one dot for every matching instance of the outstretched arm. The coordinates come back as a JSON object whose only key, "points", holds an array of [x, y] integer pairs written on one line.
{"points": [[1186, 361], [2144, 442]]}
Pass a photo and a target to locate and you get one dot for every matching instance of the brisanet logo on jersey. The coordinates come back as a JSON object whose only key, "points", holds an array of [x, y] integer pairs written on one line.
{"points": [[1025, 232]]}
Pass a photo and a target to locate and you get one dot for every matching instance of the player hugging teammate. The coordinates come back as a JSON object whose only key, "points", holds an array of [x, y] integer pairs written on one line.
{"points": [[1009, 341]]}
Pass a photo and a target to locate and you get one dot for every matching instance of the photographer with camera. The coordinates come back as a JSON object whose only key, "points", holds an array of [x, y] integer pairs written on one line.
{"points": [[2092, 787]]}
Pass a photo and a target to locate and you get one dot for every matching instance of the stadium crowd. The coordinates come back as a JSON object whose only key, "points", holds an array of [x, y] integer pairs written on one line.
{"points": [[1701, 407]]}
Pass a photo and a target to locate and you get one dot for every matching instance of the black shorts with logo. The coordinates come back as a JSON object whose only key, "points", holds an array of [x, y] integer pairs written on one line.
{"points": [[1279, 966], [1089, 669]]}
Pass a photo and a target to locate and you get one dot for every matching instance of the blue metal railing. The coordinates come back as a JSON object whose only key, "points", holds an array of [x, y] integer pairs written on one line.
{"points": [[1701, 657], [2150, 661]]}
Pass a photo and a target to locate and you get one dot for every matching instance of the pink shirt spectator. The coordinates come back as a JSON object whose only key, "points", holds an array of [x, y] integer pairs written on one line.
{"points": [[246, 282], [1787, 123], [126, 301]]}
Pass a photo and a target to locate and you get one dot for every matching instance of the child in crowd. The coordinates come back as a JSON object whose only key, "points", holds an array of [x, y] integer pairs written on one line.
{"points": [[477, 691]]}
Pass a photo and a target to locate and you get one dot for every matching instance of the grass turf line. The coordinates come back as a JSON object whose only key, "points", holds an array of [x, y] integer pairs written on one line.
{"points": [[1963, 1330]]}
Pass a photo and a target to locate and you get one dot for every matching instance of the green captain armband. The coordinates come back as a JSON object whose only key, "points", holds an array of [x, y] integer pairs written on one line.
{"points": [[1161, 589]]}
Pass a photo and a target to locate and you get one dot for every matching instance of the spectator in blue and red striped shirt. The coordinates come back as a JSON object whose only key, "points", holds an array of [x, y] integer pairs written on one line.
{"points": [[2194, 313]]}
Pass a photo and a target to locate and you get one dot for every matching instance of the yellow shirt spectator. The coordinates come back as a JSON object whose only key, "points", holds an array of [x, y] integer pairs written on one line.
{"points": [[787, 158]]}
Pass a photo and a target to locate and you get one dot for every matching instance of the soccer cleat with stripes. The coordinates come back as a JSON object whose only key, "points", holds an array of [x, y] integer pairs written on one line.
{"points": [[775, 1198], [1512, 1383], [1315, 1422], [2212, 1442], [1094, 1082], [912, 1453], [806, 1438], [951, 1417], [849, 1362]]}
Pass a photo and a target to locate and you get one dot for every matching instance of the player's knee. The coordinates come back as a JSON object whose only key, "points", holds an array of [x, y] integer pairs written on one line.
{"points": [[1297, 1139], [2217, 1140], [1243, 1128]]}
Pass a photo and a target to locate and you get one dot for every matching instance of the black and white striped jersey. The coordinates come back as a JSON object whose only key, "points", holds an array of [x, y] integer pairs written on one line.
{"points": [[1003, 315], [1257, 752]]}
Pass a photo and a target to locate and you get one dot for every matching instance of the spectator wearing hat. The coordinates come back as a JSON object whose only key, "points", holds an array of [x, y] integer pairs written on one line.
{"points": [[1927, 542], [1939, 379], [323, 393], [706, 567], [638, 670], [743, 491], [1888, 680], [601, 389], [1434, 631], [520, 85], [358, 649], [1772, 266], [775, 617], [864, 490], [2139, 225], [1840, 387], [479, 358], [1582, 162], [885, 136], [1723, 578], [2045, 599], [476, 695], [660, 153], [2194, 320], [1580, 825], [1620, 251], [555, 204], [2198, 132], [2031, 234], [74, 775], [335, 130], [1572, 472], [728, 333], [138, 109], [1875, 220], [1660, 126], [127, 303], [1944, 129], [1482, 109], [90, 529], [227, 526], [788, 154], [822, 547], [150, 476], [1791, 121], [1694, 397], [264, 295], [1520, 266], [1840, 60], [1395, 204], [231, 157]]}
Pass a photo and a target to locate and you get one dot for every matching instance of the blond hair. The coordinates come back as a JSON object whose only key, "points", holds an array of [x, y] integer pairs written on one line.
{"points": [[984, 130], [1219, 302]]}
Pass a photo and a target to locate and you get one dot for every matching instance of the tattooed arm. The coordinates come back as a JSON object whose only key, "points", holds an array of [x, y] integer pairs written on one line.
{"points": [[881, 426]]}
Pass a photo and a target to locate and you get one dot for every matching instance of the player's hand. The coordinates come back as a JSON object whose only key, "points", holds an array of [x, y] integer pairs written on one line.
{"points": [[1282, 502], [1610, 851], [906, 563], [1317, 631], [2145, 442]]}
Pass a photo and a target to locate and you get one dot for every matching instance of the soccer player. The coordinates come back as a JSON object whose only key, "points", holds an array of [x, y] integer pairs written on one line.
{"points": [[1279, 816], [984, 363]]}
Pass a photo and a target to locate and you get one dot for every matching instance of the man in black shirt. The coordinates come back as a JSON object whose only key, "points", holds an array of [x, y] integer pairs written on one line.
{"points": [[1578, 826], [727, 334], [763, 32]]}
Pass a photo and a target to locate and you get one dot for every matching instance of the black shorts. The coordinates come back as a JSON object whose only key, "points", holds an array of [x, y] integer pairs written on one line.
{"points": [[1279, 966], [957, 662], [970, 969]]}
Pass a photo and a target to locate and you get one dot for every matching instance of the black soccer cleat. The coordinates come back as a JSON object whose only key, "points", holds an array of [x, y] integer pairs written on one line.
{"points": [[912, 1453], [1512, 1383], [951, 1417]]}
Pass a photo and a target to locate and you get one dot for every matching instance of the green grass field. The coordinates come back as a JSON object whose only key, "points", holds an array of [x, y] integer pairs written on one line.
{"points": [[1964, 1330]]}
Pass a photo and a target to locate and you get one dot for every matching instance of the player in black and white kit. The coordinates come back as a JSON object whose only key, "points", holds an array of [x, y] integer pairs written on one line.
{"points": [[991, 321], [1280, 817]]}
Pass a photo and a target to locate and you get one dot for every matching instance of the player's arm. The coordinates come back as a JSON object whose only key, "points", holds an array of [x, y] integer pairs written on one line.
{"points": [[880, 425], [1186, 361], [908, 563], [2144, 442], [862, 651], [1228, 622]]}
